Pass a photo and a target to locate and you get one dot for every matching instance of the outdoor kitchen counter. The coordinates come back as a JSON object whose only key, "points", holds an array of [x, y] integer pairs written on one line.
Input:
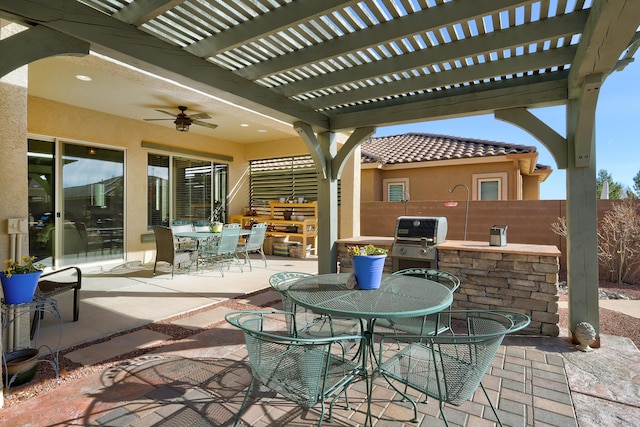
{"points": [[510, 248], [516, 276]]}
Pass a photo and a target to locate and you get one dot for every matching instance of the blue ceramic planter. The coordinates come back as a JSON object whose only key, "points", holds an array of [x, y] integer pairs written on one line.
{"points": [[368, 270], [19, 288]]}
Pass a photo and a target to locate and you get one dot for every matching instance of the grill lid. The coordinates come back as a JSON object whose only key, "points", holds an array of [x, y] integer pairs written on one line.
{"points": [[425, 231]]}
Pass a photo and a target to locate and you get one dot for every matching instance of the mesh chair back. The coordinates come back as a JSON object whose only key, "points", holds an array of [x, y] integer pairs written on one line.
{"points": [[229, 239], [256, 238], [440, 276], [182, 228], [427, 324], [450, 367], [281, 283], [305, 371]]}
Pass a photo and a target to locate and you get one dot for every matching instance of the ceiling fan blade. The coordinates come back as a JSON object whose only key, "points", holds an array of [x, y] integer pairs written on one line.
{"points": [[150, 120], [205, 124], [166, 112], [199, 116]]}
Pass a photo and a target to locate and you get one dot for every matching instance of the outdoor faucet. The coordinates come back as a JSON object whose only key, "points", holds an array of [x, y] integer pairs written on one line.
{"points": [[405, 200], [466, 213]]}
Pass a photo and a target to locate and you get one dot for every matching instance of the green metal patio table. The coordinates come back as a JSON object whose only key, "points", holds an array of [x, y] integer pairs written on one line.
{"points": [[398, 296]]}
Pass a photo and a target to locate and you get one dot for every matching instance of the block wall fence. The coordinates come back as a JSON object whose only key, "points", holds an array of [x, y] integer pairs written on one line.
{"points": [[528, 221]]}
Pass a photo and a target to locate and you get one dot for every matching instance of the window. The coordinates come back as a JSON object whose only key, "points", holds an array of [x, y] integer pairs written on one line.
{"points": [[196, 195], [158, 190], [490, 186], [396, 190], [489, 189]]}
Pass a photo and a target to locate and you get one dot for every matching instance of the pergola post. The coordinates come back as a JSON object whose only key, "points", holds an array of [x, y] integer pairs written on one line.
{"points": [[329, 165], [327, 209], [582, 218]]}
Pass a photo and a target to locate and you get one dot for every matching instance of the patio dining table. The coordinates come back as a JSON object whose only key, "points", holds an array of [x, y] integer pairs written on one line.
{"points": [[202, 237], [399, 296]]}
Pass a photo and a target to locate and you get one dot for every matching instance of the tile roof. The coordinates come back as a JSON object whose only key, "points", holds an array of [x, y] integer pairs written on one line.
{"points": [[423, 147]]}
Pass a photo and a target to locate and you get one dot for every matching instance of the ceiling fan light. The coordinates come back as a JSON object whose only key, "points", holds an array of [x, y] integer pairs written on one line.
{"points": [[182, 126]]}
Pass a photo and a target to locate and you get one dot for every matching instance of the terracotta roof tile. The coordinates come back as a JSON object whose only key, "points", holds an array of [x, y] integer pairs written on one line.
{"points": [[423, 147]]}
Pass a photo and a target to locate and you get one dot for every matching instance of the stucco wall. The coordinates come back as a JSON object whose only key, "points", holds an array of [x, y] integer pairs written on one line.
{"points": [[432, 180], [13, 134]]}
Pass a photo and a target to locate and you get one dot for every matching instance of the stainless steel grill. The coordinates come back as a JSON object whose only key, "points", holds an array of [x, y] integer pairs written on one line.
{"points": [[415, 240]]}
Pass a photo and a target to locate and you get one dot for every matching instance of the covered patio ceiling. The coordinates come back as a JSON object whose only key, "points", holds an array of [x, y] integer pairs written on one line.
{"points": [[338, 65]]}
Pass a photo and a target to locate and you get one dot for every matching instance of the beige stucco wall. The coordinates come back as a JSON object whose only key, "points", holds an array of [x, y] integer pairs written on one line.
{"points": [[73, 124], [13, 134]]}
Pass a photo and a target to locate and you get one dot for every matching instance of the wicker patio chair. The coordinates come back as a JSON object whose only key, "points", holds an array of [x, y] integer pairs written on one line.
{"points": [[304, 371], [449, 367], [166, 250], [426, 324]]}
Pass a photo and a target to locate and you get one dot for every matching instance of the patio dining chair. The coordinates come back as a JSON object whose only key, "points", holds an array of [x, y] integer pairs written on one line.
{"points": [[304, 371], [183, 243], [254, 243], [433, 324], [221, 250], [309, 324], [168, 250], [449, 367], [57, 282]]}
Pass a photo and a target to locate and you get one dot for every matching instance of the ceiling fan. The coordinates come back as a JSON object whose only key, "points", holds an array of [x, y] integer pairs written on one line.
{"points": [[183, 121]]}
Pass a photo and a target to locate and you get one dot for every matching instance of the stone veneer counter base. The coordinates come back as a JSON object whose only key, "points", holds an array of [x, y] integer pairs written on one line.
{"points": [[516, 276]]}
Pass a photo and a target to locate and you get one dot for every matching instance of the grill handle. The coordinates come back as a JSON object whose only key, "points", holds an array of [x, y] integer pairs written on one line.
{"points": [[426, 241]]}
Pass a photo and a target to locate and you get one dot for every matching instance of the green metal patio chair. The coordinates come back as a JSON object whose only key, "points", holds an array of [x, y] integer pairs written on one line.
{"points": [[426, 324], [254, 243], [221, 251], [449, 367], [309, 324], [305, 371]]}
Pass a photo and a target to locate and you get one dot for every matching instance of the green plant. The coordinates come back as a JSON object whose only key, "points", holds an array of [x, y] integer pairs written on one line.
{"points": [[366, 250], [24, 266]]}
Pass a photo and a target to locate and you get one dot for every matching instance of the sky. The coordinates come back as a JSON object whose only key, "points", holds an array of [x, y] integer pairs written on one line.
{"points": [[617, 131]]}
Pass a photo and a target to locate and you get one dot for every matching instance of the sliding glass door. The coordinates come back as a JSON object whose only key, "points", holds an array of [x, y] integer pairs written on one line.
{"points": [[77, 204]]}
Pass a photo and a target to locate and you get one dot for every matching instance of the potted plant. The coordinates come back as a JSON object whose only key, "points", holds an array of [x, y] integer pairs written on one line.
{"points": [[20, 280], [368, 264]]}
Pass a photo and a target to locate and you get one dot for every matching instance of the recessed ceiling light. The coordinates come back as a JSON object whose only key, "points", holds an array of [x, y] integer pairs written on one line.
{"points": [[83, 78], [262, 130], [244, 125]]}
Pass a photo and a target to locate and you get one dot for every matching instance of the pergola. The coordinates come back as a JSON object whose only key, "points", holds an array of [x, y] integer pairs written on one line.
{"points": [[329, 66]]}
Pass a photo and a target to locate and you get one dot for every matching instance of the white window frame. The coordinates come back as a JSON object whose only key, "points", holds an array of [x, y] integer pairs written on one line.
{"points": [[388, 183], [480, 178]]}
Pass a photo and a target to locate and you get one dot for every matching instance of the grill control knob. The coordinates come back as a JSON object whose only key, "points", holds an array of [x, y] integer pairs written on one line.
{"points": [[403, 251], [424, 251]]}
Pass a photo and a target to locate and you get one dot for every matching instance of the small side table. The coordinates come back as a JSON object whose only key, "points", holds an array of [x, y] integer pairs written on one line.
{"points": [[14, 324]]}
